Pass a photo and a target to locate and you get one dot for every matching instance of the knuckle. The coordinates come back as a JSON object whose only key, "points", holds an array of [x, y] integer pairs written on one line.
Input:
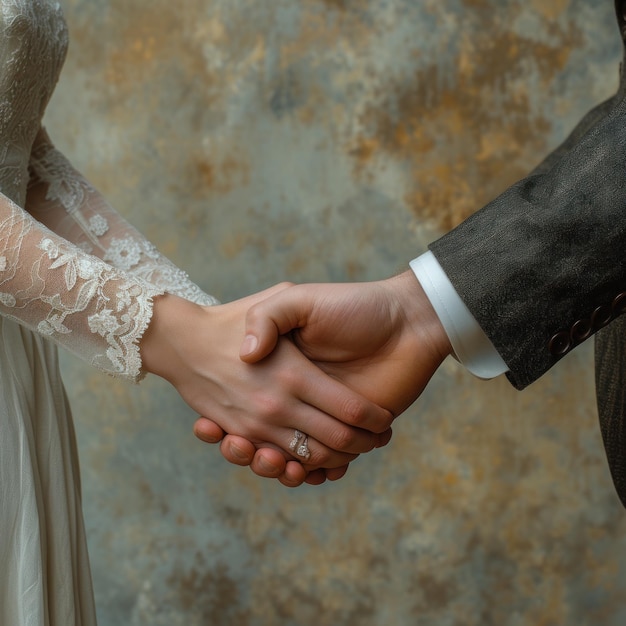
{"points": [[358, 412], [353, 411], [254, 314], [344, 438], [288, 378], [326, 458], [269, 406]]}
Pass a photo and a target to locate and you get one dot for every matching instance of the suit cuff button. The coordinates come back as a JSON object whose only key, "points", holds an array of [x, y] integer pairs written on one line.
{"points": [[601, 317], [560, 344], [618, 305], [580, 331]]}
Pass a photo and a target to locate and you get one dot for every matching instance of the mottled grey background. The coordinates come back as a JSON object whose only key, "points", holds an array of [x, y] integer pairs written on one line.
{"points": [[332, 140]]}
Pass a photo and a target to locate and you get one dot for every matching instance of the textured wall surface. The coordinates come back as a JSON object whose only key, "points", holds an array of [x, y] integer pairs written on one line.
{"points": [[332, 140]]}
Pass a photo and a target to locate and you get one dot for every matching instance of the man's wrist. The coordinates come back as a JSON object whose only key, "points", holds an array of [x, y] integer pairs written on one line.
{"points": [[420, 314], [470, 344]]}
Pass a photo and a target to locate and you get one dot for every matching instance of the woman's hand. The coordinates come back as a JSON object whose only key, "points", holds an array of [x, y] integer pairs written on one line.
{"points": [[196, 349]]}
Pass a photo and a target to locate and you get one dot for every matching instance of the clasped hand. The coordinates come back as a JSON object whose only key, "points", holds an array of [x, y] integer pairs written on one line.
{"points": [[370, 350]]}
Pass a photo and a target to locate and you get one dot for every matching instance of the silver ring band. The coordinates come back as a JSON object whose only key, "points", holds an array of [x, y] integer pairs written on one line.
{"points": [[299, 445]]}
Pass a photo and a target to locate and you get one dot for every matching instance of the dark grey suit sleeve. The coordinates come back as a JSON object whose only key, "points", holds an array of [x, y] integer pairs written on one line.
{"points": [[542, 267]]}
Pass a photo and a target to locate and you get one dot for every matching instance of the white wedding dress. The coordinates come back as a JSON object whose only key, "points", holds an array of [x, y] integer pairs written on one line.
{"points": [[84, 281]]}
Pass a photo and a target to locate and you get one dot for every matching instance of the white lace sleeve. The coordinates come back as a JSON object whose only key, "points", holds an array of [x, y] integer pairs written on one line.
{"points": [[61, 198], [87, 306]]}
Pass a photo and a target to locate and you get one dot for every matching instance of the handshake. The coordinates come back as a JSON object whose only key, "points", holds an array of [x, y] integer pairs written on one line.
{"points": [[298, 380]]}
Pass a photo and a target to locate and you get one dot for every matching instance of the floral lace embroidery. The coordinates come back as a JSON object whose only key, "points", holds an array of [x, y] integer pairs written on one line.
{"points": [[92, 309], [123, 253], [101, 230], [98, 225]]}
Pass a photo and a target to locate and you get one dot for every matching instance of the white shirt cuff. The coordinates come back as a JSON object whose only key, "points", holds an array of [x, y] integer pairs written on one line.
{"points": [[471, 345]]}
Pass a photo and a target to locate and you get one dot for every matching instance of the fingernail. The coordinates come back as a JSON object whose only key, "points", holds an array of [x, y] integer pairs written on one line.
{"points": [[266, 466], [238, 453], [249, 344]]}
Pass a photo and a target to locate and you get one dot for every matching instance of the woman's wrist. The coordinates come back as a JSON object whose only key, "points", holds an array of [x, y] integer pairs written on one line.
{"points": [[172, 321]]}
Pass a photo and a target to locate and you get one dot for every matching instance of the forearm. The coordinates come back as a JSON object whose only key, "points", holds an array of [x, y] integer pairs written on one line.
{"points": [[88, 307], [62, 199], [537, 261]]}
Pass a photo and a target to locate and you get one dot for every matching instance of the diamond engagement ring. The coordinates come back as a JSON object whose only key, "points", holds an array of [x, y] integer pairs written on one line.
{"points": [[299, 445]]}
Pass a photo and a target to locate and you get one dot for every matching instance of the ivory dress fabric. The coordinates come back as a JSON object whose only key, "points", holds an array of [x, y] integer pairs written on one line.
{"points": [[86, 282]]}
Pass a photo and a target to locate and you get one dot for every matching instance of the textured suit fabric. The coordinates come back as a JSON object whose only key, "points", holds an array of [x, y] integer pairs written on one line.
{"points": [[549, 251], [610, 361]]}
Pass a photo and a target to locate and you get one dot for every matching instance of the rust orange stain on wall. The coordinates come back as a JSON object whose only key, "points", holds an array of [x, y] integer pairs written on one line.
{"points": [[550, 10], [203, 587], [338, 4], [467, 132], [219, 175]]}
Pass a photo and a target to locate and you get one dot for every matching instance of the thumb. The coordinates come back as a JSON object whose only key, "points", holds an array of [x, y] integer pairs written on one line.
{"points": [[267, 320]]}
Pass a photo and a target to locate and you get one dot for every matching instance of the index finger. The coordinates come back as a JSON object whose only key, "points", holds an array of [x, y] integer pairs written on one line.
{"points": [[349, 408]]}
